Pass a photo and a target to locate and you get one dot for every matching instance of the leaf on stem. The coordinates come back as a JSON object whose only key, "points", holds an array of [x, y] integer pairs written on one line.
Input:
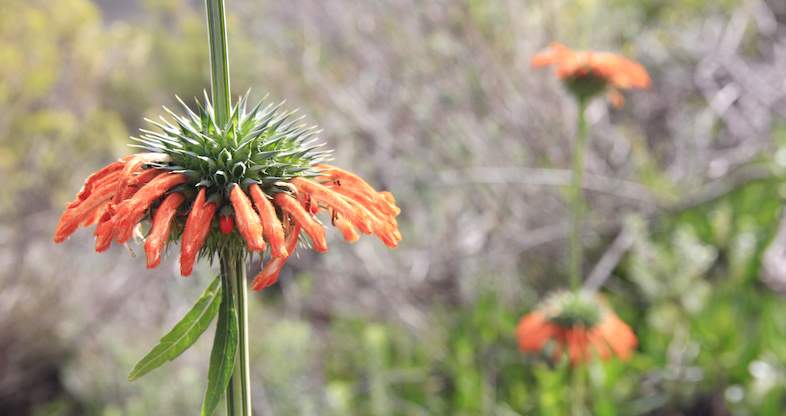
{"points": [[222, 357], [184, 334]]}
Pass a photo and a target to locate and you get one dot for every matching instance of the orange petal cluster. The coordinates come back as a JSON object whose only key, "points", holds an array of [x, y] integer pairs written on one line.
{"points": [[353, 205], [616, 70], [123, 193], [610, 336]]}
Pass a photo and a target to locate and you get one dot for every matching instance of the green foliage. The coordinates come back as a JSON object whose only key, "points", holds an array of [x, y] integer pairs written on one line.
{"points": [[709, 332], [184, 334], [224, 353]]}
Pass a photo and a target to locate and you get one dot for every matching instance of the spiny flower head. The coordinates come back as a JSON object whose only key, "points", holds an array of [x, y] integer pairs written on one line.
{"points": [[252, 184], [588, 73], [577, 324], [261, 144]]}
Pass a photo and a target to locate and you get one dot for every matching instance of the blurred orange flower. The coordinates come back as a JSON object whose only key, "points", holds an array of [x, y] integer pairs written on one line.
{"points": [[589, 72], [578, 326]]}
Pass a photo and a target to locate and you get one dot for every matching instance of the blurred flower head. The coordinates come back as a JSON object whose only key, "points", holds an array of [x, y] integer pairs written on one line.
{"points": [[588, 73], [254, 183], [577, 324]]}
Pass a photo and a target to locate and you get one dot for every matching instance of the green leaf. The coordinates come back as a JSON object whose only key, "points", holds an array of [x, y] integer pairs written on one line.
{"points": [[184, 333], [222, 357]]}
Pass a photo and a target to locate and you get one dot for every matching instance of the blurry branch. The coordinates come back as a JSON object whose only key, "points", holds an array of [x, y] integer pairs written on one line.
{"points": [[546, 177], [720, 187], [624, 239], [542, 235], [709, 193], [609, 261]]}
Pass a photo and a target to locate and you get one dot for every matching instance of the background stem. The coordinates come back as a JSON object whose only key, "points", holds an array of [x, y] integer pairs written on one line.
{"points": [[577, 401], [577, 198]]}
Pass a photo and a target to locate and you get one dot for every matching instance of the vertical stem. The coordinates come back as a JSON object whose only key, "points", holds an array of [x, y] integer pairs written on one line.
{"points": [[238, 393], [219, 59], [577, 198], [577, 404]]}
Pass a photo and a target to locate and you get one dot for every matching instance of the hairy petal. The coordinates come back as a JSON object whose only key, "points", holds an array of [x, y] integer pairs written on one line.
{"points": [[247, 220], [299, 214], [195, 232], [271, 270], [159, 232], [271, 226]]}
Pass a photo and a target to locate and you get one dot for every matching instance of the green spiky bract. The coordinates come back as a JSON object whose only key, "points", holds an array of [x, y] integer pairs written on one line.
{"points": [[569, 309], [263, 144]]}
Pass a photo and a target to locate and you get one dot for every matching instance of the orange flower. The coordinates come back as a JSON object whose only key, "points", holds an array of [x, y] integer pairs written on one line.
{"points": [[263, 177], [125, 192], [577, 325], [587, 73]]}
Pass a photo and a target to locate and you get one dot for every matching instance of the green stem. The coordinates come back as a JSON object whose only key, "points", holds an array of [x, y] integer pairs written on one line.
{"points": [[577, 198], [577, 401], [219, 59], [238, 393]]}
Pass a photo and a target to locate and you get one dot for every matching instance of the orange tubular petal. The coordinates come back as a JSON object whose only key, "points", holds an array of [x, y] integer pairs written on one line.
{"points": [[247, 220], [105, 229], [346, 177], [146, 176], [383, 226], [72, 217], [554, 54], [599, 344], [314, 230], [95, 214], [367, 196], [271, 226], [534, 331], [131, 211], [132, 166], [388, 197], [159, 232], [335, 201], [271, 270], [577, 345], [89, 184], [618, 335], [139, 181], [346, 229], [195, 232]]}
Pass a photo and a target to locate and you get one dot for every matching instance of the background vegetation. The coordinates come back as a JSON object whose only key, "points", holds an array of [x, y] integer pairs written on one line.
{"points": [[436, 102]]}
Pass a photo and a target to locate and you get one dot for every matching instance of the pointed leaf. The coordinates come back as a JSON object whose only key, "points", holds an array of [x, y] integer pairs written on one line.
{"points": [[184, 333], [222, 357]]}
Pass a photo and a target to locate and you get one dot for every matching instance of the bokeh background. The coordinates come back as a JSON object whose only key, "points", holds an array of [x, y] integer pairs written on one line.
{"points": [[436, 101]]}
